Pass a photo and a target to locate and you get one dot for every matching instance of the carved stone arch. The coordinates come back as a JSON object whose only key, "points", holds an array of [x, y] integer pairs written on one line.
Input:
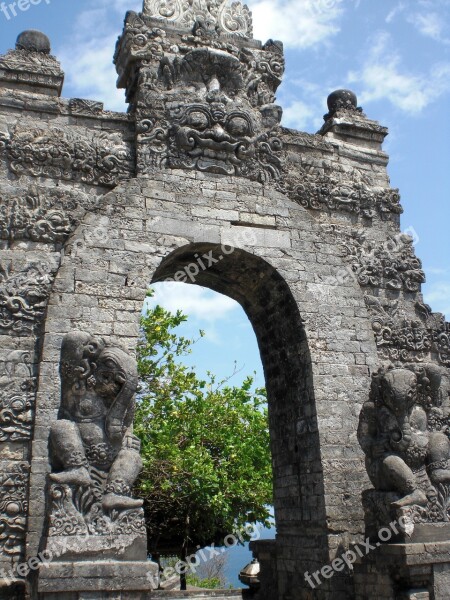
{"points": [[312, 326]]}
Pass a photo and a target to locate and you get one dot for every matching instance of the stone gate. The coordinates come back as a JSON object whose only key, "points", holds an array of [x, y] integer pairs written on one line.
{"points": [[200, 183]]}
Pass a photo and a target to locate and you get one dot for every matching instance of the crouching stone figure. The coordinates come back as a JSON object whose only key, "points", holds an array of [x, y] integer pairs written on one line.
{"points": [[94, 454], [403, 433]]}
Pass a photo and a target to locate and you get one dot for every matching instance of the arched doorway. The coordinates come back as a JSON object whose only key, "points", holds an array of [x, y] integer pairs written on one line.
{"points": [[269, 304]]}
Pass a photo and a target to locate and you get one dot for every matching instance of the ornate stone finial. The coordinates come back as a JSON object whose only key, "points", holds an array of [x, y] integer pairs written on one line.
{"points": [[341, 100], [33, 41], [30, 67], [218, 15]]}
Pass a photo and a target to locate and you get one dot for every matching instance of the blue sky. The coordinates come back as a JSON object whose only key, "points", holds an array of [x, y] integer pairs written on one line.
{"points": [[394, 54]]}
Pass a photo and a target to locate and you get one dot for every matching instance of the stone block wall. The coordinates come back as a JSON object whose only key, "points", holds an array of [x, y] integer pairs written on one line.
{"points": [[302, 230]]}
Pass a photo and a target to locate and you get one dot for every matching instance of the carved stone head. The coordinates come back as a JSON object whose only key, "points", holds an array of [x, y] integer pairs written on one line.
{"points": [[399, 390], [115, 369], [203, 91]]}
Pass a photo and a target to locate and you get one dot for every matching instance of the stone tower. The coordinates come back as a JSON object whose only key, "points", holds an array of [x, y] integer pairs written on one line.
{"points": [[302, 230]]}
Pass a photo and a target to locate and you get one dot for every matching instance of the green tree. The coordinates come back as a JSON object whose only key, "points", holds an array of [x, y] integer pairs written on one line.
{"points": [[205, 446]]}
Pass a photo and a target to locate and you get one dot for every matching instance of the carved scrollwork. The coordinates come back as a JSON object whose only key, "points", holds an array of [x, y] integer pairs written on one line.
{"points": [[233, 18], [13, 509], [164, 9], [103, 159], [392, 265], [322, 191], [16, 416], [442, 340], [23, 296], [263, 73], [33, 218], [407, 340], [81, 106]]}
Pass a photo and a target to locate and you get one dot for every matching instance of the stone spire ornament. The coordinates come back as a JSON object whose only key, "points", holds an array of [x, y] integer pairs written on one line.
{"points": [[31, 66]]}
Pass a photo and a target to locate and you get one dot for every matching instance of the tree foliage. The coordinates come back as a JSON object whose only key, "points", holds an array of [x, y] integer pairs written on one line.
{"points": [[205, 445]]}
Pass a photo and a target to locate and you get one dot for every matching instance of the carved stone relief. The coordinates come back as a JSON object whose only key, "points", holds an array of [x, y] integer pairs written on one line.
{"points": [[13, 509], [219, 16], [213, 139], [95, 158], [392, 265], [400, 338], [328, 192], [24, 294], [16, 416], [34, 218], [80, 106], [17, 397], [94, 454], [404, 432]]}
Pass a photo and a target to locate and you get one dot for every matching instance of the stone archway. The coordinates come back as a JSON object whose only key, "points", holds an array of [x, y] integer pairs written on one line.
{"points": [[269, 304], [303, 527], [314, 385]]}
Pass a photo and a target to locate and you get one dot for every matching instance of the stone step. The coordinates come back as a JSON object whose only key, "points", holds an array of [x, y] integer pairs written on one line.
{"points": [[202, 594]]}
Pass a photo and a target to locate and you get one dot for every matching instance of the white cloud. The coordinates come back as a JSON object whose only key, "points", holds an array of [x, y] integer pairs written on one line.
{"points": [[383, 77], [298, 115], [193, 300], [297, 23], [91, 74], [436, 271], [437, 296], [395, 11], [429, 24], [87, 58]]}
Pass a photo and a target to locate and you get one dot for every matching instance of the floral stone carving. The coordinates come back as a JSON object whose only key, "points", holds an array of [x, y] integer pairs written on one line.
{"points": [[24, 295], [13, 509], [404, 432], [218, 15], [100, 159], [403, 339], [392, 265], [94, 454]]}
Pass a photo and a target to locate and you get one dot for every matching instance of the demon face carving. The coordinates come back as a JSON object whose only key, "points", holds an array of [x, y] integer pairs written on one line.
{"points": [[211, 138]]}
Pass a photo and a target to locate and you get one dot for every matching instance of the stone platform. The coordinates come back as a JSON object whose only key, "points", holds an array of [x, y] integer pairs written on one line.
{"points": [[99, 579], [417, 571]]}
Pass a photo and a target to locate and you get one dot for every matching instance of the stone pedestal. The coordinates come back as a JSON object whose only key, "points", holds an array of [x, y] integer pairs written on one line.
{"points": [[99, 579], [416, 571]]}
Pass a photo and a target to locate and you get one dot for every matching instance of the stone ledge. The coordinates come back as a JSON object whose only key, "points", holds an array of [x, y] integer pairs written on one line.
{"points": [[97, 576]]}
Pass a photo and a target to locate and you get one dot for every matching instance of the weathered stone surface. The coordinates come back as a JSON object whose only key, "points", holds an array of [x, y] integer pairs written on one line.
{"points": [[402, 431], [94, 454], [200, 183]]}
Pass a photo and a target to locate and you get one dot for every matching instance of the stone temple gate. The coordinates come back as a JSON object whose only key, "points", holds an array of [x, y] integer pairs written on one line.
{"points": [[199, 177]]}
